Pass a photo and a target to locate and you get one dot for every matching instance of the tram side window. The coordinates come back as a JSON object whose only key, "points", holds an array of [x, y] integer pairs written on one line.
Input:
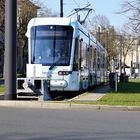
{"points": [[86, 55], [103, 61], [90, 57], [83, 54], [94, 58], [98, 60], [0, 56], [75, 63]]}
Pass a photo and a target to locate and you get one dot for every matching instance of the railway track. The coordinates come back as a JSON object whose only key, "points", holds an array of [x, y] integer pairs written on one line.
{"points": [[55, 96], [60, 95]]}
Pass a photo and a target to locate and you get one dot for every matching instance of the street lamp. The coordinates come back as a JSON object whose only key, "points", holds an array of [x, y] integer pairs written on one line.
{"points": [[10, 48]]}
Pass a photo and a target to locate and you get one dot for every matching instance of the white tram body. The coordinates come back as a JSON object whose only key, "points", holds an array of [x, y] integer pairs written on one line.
{"points": [[64, 54]]}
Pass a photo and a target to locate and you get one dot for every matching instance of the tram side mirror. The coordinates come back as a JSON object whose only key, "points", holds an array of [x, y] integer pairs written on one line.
{"points": [[80, 63]]}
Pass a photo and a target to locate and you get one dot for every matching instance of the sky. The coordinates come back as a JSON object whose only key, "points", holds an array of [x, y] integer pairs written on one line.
{"points": [[107, 8]]}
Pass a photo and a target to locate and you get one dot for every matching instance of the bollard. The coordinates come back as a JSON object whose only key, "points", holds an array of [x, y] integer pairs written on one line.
{"points": [[116, 81]]}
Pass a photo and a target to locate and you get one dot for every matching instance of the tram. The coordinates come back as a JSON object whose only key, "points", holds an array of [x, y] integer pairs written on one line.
{"points": [[62, 56]]}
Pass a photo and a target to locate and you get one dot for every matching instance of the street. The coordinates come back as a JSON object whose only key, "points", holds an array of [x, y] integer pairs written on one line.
{"points": [[43, 124]]}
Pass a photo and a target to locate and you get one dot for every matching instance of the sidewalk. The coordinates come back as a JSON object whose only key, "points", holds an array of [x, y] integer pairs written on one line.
{"points": [[92, 95]]}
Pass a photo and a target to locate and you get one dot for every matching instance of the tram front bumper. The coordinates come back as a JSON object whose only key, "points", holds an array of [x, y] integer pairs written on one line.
{"points": [[58, 83], [30, 85]]}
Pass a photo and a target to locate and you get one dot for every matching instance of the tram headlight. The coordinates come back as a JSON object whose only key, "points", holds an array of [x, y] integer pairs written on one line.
{"points": [[63, 73], [60, 73]]}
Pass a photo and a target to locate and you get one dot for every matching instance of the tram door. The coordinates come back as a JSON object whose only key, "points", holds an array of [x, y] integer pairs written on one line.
{"points": [[95, 66], [83, 67]]}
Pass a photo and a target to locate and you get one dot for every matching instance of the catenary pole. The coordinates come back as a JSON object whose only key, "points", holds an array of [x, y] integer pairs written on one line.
{"points": [[10, 48], [61, 8]]}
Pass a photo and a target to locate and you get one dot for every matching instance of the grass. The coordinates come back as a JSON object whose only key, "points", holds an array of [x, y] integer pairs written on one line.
{"points": [[2, 88], [128, 94]]}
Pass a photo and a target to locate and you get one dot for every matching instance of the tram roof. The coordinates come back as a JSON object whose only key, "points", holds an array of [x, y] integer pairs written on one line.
{"points": [[50, 20], [60, 21], [55, 21]]}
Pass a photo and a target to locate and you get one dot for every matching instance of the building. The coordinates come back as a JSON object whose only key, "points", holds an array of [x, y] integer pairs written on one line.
{"points": [[133, 59], [26, 7]]}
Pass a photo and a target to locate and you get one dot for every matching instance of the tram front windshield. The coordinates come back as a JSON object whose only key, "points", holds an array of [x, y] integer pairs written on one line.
{"points": [[51, 45]]}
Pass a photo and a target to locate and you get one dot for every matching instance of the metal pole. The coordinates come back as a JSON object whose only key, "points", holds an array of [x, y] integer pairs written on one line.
{"points": [[10, 48], [61, 8], [132, 64], [138, 63], [120, 55], [116, 82]]}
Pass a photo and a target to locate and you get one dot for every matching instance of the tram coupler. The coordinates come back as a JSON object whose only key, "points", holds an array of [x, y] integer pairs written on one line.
{"points": [[38, 87]]}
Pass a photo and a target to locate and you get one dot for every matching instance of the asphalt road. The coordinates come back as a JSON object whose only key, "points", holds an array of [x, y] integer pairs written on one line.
{"points": [[43, 124]]}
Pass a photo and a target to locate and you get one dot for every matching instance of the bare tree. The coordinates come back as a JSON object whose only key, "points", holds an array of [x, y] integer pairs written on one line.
{"points": [[46, 12], [126, 42], [100, 21], [27, 10], [2, 17], [131, 8], [106, 35], [126, 47]]}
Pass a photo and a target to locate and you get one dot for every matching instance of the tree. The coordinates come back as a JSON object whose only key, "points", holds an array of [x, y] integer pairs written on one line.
{"points": [[126, 43], [132, 9], [2, 22], [106, 35], [2, 17], [46, 12], [26, 11], [100, 21], [125, 48]]}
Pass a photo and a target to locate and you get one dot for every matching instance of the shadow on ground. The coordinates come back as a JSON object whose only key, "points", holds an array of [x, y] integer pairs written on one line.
{"points": [[129, 87]]}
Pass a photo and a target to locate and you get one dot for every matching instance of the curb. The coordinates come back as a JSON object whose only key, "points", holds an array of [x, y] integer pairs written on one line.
{"points": [[65, 105]]}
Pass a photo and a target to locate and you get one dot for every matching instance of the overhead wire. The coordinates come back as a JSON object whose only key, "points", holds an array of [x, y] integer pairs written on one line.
{"points": [[83, 12], [78, 5], [90, 22]]}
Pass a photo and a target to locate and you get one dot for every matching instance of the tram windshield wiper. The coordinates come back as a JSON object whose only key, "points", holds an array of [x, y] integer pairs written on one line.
{"points": [[54, 64]]}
